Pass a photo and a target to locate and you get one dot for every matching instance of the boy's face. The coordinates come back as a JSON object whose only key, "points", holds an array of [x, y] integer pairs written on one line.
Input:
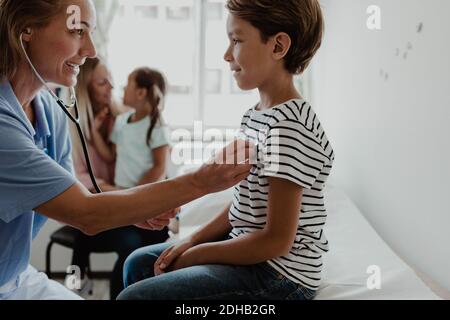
{"points": [[251, 60]]}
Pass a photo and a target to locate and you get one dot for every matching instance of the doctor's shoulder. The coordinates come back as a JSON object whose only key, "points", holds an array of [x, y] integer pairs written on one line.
{"points": [[4, 104], [9, 114]]}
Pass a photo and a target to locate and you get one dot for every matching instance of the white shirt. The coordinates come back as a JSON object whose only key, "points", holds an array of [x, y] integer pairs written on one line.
{"points": [[134, 156]]}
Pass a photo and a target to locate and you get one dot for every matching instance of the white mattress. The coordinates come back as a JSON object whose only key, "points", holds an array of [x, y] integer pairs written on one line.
{"points": [[354, 246]]}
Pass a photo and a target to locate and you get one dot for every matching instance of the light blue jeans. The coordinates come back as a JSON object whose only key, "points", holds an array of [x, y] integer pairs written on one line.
{"points": [[205, 282]]}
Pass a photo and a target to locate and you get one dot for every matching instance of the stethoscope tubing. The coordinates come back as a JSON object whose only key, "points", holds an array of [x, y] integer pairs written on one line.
{"points": [[65, 108]]}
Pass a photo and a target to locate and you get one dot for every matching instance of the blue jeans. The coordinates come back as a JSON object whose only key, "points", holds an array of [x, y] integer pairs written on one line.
{"points": [[221, 282], [122, 240]]}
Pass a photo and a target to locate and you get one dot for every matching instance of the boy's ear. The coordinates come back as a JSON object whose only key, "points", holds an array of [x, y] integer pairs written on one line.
{"points": [[282, 44]]}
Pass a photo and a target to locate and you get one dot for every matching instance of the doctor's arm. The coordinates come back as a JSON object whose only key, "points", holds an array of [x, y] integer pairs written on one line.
{"points": [[94, 213]]}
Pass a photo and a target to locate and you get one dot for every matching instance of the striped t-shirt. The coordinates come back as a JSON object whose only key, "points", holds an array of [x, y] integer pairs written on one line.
{"points": [[291, 145]]}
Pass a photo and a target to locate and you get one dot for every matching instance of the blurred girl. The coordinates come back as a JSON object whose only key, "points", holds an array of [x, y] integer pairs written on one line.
{"points": [[98, 113], [142, 140]]}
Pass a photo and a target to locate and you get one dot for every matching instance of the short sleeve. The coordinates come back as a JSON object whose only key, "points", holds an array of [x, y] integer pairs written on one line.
{"points": [[292, 152], [28, 177], [115, 132], [160, 137]]}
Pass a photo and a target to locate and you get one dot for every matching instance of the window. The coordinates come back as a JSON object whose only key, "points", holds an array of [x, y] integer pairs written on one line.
{"points": [[213, 84], [178, 13], [186, 40], [150, 12], [215, 10], [158, 34], [223, 108]]}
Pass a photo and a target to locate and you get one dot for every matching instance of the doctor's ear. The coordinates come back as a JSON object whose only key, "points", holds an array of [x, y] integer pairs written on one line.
{"points": [[26, 34], [282, 44]]}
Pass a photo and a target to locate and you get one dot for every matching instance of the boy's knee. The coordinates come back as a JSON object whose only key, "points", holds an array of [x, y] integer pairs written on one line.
{"points": [[138, 292], [138, 266], [126, 294]]}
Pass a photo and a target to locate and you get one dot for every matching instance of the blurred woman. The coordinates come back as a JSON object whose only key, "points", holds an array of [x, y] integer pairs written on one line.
{"points": [[98, 112]]}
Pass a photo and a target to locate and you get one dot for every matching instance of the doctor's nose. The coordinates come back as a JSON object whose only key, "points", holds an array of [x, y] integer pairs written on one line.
{"points": [[88, 49]]}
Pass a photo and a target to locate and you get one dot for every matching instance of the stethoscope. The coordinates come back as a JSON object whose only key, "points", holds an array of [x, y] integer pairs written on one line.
{"points": [[65, 108]]}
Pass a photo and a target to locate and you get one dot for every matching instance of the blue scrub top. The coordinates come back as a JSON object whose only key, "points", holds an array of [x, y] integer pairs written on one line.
{"points": [[35, 167]]}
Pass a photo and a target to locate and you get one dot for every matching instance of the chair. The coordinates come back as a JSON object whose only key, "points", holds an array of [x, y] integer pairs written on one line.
{"points": [[66, 236], [69, 237]]}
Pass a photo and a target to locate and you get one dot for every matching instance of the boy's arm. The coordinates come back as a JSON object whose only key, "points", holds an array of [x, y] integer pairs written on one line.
{"points": [[158, 171], [215, 229], [275, 240]]}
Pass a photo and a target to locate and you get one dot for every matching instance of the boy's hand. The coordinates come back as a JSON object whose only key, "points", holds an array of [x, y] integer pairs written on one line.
{"points": [[185, 260], [160, 222], [170, 255]]}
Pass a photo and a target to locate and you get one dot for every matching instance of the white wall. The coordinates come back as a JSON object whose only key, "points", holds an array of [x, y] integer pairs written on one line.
{"points": [[388, 117]]}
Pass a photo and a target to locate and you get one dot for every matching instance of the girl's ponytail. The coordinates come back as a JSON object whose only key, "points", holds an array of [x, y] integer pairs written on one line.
{"points": [[155, 84], [155, 115]]}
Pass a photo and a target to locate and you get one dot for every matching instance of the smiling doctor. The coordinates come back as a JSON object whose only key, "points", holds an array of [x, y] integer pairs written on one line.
{"points": [[36, 180]]}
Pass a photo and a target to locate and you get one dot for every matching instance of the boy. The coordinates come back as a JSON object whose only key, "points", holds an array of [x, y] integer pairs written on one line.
{"points": [[273, 228]]}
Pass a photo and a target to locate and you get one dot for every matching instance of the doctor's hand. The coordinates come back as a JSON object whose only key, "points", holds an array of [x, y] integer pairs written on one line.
{"points": [[227, 168], [160, 222], [170, 255]]}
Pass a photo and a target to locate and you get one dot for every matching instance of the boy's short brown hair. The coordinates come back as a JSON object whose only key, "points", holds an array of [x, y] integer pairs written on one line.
{"points": [[302, 20]]}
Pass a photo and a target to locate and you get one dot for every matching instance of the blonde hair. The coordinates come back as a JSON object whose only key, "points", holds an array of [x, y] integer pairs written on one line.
{"points": [[85, 105], [15, 17]]}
